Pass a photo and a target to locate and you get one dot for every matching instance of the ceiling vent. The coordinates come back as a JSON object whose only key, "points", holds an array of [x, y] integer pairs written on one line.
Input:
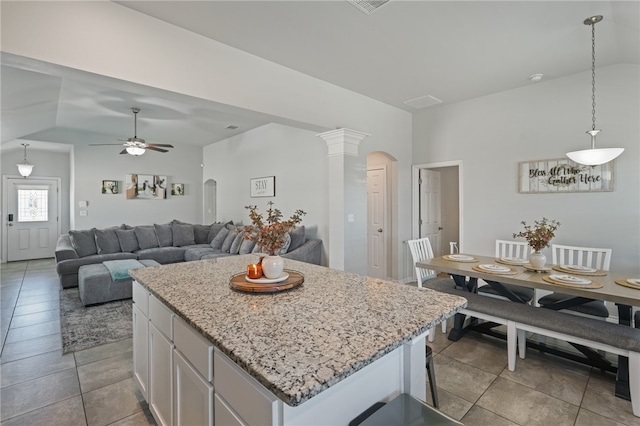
{"points": [[422, 102], [367, 6]]}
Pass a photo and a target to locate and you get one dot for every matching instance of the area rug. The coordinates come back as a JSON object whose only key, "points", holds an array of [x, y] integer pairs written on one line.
{"points": [[85, 327]]}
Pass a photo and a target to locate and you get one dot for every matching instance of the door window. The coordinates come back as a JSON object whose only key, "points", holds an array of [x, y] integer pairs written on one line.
{"points": [[33, 205]]}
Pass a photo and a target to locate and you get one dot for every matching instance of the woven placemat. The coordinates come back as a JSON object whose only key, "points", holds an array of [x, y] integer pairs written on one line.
{"points": [[593, 284], [623, 282], [509, 272], [447, 257], [597, 273], [510, 262]]}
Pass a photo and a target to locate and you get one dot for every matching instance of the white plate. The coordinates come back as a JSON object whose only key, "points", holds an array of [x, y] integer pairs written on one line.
{"points": [[578, 268], [460, 257], [634, 281], [494, 268], [514, 260], [281, 278], [570, 279]]}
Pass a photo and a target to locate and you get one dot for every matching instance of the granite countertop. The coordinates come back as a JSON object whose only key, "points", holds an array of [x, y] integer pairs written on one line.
{"points": [[299, 342]]}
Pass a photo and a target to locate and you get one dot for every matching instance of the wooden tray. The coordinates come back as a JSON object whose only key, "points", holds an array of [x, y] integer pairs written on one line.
{"points": [[593, 284], [238, 283], [597, 273]]}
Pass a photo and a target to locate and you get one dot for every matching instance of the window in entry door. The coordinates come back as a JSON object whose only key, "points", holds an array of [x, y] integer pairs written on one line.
{"points": [[33, 205]]}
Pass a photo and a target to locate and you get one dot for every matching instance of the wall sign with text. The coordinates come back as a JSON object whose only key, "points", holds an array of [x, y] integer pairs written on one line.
{"points": [[563, 175], [263, 187]]}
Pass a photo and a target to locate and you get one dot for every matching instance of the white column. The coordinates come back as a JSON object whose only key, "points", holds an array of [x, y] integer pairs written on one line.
{"points": [[347, 201]]}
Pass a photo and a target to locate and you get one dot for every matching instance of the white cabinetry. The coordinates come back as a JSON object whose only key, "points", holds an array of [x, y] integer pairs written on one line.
{"points": [[160, 376], [193, 396], [141, 348]]}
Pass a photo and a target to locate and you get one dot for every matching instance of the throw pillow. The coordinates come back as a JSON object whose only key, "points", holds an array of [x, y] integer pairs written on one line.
{"points": [[285, 247], [231, 236], [235, 245], [128, 240], [107, 240], [247, 246], [84, 242], [215, 228], [183, 234], [297, 237], [165, 234], [201, 233], [146, 236], [216, 243]]}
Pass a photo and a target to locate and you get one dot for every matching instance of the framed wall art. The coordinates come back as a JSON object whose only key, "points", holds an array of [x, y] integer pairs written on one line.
{"points": [[263, 187], [109, 186], [562, 175], [177, 189], [146, 187]]}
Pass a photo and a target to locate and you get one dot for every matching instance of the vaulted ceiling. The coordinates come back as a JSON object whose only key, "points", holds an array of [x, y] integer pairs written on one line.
{"points": [[451, 50]]}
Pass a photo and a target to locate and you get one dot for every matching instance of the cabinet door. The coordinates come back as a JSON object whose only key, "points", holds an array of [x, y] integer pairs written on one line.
{"points": [[160, 376], [141, 351], [193, 396]]}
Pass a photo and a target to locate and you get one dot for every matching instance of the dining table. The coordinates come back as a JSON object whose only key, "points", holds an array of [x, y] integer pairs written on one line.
{"points": [[619, 288]]}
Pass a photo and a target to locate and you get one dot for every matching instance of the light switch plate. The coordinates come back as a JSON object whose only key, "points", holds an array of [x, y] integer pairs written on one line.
{"points": [[83, 213]]}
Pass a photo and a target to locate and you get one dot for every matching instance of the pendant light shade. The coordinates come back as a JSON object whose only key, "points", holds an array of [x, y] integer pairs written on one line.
{"points": [[25, 168], [594, 156]]}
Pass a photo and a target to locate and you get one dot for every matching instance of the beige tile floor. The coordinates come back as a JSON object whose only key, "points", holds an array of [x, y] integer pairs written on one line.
{"points": [[40, 386]]}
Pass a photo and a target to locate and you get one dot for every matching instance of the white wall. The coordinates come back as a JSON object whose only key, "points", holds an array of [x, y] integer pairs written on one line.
{"points": [[492, 134], [95, 164], [296, 157]]}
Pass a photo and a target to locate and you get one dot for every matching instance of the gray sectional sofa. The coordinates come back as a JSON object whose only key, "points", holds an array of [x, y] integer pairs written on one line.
{"points": [[167, 243]]}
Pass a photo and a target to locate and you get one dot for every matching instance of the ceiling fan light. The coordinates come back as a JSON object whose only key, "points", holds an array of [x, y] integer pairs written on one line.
{"points": [[134, 150], [594, 157]]}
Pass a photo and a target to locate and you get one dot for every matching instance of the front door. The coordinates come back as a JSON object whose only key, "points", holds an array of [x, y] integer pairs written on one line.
{"points": [[376, 223], [430, 208], [32, 218]]}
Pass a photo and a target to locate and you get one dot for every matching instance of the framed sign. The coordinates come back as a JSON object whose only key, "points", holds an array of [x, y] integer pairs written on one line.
{"points": [[263, 187], [562, 175]]}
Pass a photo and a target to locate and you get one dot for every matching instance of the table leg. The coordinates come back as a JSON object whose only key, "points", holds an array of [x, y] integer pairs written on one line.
{"points": [[622, 379], [458, 321]]}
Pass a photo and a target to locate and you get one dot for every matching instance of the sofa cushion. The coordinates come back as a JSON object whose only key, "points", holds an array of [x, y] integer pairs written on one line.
{"points": [[163, 255], [297, 237], [84, 242], [228, 241], [285, 247], [196, 252], [164, 234], [183, 234], [216, 243], [201, 233], [128, 240], [147, 237], [71, 266], [107, 240], [246, 247], [215, 228], [237, 241]]}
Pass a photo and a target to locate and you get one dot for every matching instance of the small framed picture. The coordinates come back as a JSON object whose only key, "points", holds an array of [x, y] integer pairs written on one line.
{"points": [[263, 187], [109, 186], [177, 189]]}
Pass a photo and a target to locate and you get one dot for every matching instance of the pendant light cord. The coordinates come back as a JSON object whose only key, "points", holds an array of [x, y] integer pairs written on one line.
{"points": [[593, 75]]}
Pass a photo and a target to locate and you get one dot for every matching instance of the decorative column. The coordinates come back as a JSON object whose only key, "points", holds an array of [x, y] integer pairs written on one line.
{"points": [[347, 201]]}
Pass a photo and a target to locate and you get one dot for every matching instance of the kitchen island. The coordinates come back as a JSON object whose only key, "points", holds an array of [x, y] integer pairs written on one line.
{"points": [[318, 354]]}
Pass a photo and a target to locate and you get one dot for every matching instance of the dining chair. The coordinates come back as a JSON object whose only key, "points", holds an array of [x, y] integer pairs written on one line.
{"points": [[598, 258]]}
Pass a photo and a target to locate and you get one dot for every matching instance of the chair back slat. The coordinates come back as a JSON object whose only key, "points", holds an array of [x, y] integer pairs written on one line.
{"points": [[507, 248], [598, 258], [421, 250]]}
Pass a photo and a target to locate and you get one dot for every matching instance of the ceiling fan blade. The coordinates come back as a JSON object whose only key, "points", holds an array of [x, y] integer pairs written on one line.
{"points": [[104, 144], [124, 151], [160, 144], [153, 148]]}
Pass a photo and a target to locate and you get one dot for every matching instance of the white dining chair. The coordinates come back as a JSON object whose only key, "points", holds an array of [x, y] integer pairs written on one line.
{"points": [[598, 258], [421, 250]]}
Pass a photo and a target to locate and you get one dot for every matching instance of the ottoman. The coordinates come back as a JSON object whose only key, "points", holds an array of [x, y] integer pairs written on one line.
{"points": [[95, 284]]}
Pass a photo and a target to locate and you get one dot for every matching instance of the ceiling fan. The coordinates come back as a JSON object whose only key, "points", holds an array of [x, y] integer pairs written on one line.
{"points": [[136, 145]]}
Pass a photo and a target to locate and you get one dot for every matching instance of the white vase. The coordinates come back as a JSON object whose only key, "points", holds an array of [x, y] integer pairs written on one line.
{"points": [[537, 260], [272, 266]]}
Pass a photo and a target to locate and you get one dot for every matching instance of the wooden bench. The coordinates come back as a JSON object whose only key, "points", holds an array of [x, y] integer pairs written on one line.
{"points": [[521, 318]]}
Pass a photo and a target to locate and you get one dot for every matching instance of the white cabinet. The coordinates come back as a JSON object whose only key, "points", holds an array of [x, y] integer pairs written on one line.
{"points": [[193, 396], [141, 350], [160, 376]]}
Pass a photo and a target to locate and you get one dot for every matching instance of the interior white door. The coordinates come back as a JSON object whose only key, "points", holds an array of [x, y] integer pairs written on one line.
{"points": [[430, 208], [376, 223], [32, 218]]}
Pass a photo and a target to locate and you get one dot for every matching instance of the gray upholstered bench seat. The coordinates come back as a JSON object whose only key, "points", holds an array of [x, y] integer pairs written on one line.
{"points": [[95, 284], [521, 318]]}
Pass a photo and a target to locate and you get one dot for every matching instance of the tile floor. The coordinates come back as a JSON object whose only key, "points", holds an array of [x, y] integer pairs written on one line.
{"points": [[40, 386]]}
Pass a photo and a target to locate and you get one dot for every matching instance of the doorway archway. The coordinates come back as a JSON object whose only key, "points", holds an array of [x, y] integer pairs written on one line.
{"points": [[209, 201]]}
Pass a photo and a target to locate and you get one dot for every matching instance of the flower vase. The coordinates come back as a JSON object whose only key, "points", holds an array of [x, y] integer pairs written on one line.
{"points": [[537, 260], [272, 266]]}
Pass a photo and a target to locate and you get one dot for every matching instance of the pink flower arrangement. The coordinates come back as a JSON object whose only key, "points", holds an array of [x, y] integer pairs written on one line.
{"points": [[539, 236]]}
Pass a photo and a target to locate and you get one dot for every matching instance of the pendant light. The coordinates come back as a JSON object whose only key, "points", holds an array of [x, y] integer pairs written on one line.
{"points": [[593, 156], [25, 168]]}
